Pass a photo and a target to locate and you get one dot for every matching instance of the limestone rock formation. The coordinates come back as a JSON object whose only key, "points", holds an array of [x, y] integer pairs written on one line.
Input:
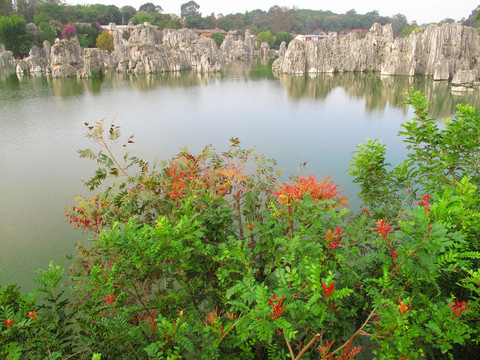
{"points": [[233, 50], [283, 49], [330, 55], [149, 50], [6, 57], [36, 62], [66, 58], [93, 63], [265, 53], [464, 80], [438, 51]]}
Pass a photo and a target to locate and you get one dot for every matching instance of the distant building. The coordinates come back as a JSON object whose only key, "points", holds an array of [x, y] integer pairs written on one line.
{"points": [[313, 37], [361, 32]]}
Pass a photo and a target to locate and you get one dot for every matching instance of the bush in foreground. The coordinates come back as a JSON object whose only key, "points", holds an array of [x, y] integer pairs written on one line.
{"points": [[208, 256]]}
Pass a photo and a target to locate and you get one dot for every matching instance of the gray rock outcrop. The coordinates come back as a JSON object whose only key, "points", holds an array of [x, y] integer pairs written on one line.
{"points": [[36, 62], [464, 80], [237, 49], [66, 58], [149, 50], [330, 55], [93, 63], [6, 57], [438, 51]]}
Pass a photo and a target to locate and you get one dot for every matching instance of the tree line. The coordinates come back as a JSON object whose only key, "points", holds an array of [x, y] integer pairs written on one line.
{"points": [[276, 19]]}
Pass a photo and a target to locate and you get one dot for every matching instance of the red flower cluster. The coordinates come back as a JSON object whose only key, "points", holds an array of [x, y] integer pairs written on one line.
{"points": [[289, 194], [9, 322], [328, 290], [424, 202], [212, 318], [394, 255], [334, 239], [109, 300], [277, 308], [383, 228], [458, 308]]}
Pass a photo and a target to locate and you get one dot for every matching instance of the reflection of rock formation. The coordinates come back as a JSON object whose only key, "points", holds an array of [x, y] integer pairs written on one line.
{"points": [[439, 51], [67, 87], [377, 90], [182, 79], [6, 58]]}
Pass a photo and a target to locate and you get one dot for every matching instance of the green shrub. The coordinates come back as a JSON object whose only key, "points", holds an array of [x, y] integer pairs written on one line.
{"points": [[105, 41], [13, 34], [281, 37], [210, 256], [218, 37], [265, 36]]}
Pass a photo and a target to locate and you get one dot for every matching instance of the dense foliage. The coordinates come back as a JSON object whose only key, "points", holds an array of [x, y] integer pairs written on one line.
{"points": [[210, 256], [218, 38], [13, 34], [105, 41]]}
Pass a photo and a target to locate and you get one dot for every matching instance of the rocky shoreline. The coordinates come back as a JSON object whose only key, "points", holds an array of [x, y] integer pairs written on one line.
{"points": [[450, 51], [438, 51], [146, 50]]}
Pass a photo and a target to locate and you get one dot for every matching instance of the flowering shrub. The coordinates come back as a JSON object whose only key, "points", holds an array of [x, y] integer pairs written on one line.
{"points": [[69, 31], [208, 256]]}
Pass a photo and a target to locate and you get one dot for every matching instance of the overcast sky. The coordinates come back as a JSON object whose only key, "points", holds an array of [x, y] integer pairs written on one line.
{"points": [[422, 11]]}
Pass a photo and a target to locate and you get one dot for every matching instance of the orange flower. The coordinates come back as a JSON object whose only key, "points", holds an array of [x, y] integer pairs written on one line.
{"points": [[403, 307], [289, 194], [9, 322], [33, 315]]}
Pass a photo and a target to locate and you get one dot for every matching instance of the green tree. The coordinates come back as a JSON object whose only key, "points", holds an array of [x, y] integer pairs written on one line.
{"points": [[281, 37], [127, 13], [211, 21], [399, 22], [150, 8], [46, 12], [168, 21], [265, 36], [105, 41], [218, 37], [141, 17], [190, 9], [46, 33], [5, 7], [195, 22], [13, 34], [225, 23]]}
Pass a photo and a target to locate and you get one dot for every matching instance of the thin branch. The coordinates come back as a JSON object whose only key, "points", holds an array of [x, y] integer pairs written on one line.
{"points": [[289, 346], [358, 332], [300, 354]]}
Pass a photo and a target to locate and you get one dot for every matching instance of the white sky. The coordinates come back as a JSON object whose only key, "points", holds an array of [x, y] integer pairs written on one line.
{"points": [[422, 11]]}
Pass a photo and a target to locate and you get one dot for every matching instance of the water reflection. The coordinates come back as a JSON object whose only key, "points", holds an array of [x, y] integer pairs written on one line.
{"points": [[378, 91], [176, 79]]}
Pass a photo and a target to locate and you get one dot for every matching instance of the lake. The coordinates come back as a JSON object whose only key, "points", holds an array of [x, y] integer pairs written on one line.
{"points": [[318, 119]]}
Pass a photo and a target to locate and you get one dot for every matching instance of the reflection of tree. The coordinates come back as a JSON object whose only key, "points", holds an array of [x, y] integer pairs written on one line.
{"points": [[94, 85], [378, 91], [67, 87]]}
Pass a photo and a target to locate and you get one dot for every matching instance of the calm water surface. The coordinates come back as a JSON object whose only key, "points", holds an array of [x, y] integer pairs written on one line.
{"points": [[317, 119]]}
